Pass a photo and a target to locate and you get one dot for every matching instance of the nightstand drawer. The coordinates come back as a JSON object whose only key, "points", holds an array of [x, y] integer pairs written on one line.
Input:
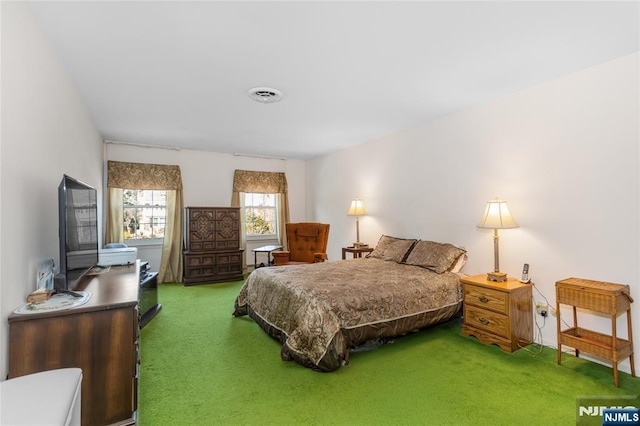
{"points": [[486, 298], [486, 320]]}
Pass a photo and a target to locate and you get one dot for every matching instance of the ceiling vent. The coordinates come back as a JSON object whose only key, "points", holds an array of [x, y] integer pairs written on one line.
{"points": [[265, 95]]}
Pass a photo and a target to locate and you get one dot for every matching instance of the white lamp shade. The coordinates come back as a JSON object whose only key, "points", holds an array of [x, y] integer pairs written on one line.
{"points": [[357, 208], [497, 216]]}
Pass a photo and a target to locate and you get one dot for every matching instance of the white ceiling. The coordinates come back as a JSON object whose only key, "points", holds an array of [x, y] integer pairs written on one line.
{"points": [[177, 73]]}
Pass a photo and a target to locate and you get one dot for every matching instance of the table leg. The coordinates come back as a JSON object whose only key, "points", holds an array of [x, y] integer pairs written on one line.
{"points": [[575, 324], [630, 333], [614, 347], [559, 338]]}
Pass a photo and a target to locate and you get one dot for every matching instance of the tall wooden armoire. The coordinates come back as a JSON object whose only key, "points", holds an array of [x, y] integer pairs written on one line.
{"points": [[212, 245]]}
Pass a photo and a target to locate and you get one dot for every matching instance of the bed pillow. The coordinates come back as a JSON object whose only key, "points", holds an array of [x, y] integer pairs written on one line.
{"points": [[438, 257], [457, 267], [391, 248]]}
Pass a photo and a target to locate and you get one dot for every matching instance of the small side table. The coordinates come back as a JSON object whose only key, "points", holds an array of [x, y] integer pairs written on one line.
{"points": [[264, 249], [356, 251], [601, 297]]}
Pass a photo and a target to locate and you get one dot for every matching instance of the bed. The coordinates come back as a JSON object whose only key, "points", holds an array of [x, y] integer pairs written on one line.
{"points": [[320, 311]]}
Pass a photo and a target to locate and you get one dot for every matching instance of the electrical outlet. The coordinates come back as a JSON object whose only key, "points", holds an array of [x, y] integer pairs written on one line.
{"points": [[542, 308]]}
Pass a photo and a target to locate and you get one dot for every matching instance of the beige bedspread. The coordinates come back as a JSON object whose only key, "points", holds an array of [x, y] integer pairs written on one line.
{"points": [[318, 311]]}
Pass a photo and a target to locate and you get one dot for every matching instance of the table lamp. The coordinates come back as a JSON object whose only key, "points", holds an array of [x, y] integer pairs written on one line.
{"points": [[496, 216], [357, 209]]}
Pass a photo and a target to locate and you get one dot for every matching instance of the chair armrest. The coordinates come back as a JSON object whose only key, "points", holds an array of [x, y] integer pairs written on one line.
{"points": [[280, 257], [319, 257]]}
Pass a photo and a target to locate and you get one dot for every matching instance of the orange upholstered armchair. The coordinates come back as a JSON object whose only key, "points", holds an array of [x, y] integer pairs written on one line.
{"points": [[307, 244]]}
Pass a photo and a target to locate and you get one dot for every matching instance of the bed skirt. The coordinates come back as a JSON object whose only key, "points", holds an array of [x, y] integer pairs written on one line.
{"points": [[337, 353]]}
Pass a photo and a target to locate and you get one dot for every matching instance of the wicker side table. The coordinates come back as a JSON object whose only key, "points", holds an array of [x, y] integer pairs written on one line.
{"points": [[602, 297]]}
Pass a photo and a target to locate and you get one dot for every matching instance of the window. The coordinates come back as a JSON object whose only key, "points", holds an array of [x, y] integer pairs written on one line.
{"points": [[144, 213], [260, 214]]}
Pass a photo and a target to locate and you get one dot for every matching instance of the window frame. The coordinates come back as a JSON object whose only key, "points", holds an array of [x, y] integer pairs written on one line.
{"points": [[261, 237], [144, 241]]}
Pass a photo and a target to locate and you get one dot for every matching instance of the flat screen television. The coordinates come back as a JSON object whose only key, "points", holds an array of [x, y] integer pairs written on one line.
{"points": [[78, 231]]}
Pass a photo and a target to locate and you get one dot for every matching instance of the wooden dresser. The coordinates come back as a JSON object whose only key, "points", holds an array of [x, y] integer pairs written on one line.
{"points": [[212, 245], [498, 312], [100, 337]]}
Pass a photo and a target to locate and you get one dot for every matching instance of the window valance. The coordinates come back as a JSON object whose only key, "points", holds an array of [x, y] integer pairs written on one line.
{"points": [[143, 176], [260, 182]]}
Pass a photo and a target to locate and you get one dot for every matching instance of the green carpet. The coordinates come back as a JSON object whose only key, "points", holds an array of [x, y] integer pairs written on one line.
{"points": [[202, 366]]}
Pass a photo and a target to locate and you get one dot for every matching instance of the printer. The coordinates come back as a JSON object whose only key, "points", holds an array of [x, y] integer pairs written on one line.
{"points": [[120, 255]]}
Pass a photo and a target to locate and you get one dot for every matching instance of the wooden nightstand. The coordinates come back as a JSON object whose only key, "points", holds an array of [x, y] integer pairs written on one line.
{"points": [[498, 313], [357, 251]]}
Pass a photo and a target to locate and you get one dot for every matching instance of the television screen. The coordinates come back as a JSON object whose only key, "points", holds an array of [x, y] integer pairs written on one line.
{"points": [[78, 230]]}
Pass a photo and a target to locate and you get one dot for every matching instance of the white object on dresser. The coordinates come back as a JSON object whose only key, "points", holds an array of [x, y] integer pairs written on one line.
{"points": [[117, 256]]}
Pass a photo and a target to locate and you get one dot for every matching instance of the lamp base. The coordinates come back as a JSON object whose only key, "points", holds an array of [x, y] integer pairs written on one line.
{"points": [[498, 277], [358, 244]]}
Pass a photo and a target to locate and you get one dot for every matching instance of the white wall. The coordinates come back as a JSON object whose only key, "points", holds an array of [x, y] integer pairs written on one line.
{"points": [[565, 155], [207, 178], [46, 132]]}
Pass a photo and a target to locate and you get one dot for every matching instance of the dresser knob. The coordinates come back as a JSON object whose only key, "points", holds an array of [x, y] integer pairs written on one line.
{"points": [[483, 321], [484, 299]]}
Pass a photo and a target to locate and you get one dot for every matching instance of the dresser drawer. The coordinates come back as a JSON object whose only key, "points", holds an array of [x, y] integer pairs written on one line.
{"points": [[486, 320], [200, 260], [228, 258], [231, 268], [497, 301]]}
